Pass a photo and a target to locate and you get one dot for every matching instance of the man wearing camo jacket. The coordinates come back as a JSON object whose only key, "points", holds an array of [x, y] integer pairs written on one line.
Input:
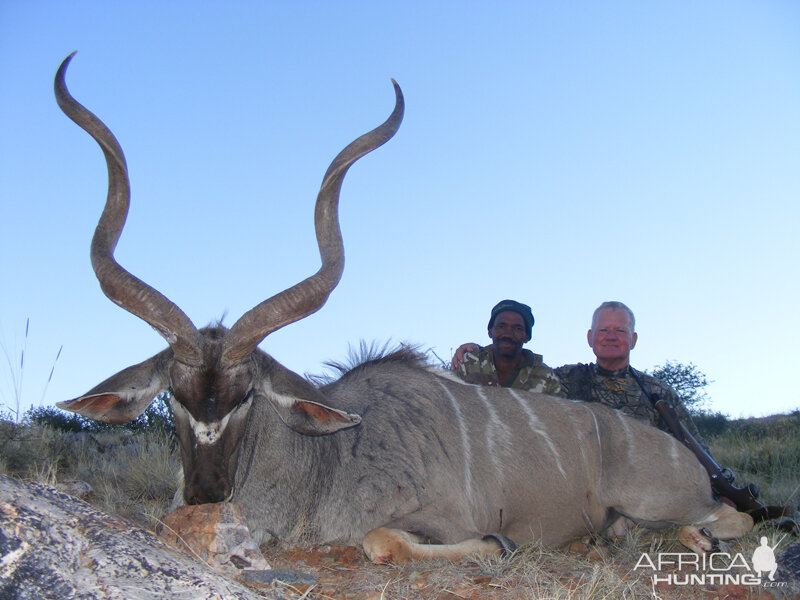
{"points": [[611, 380], [505, 362]]}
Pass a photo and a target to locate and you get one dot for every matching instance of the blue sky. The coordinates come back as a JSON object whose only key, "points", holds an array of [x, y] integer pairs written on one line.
{"points": [[561, 154]]}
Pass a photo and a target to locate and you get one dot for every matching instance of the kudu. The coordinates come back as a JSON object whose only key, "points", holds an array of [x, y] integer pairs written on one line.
{"points": [[402, 457]]}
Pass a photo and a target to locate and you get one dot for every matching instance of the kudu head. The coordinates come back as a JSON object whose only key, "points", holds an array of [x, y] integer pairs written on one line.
{"points": [[213, 374]]}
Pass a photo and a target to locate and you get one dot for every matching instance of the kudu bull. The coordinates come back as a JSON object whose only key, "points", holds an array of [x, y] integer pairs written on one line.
{"points": [[404, 458]]}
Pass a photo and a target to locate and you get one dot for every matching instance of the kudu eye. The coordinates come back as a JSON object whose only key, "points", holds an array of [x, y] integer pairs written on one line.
{"points": [[241, 402]]}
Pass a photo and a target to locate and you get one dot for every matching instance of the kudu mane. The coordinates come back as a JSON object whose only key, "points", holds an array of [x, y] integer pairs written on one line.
{"points": [[364, 358]]}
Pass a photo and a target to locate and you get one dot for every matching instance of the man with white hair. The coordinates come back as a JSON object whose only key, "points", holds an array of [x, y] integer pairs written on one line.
{"points": [[612, 380]]}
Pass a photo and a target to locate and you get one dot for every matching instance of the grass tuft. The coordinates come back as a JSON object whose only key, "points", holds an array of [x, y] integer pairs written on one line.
{"points": [[133, 475]]}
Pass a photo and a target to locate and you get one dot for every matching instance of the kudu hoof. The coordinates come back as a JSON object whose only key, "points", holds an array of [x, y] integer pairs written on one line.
{"points": [[507, 547], [714, 541]]}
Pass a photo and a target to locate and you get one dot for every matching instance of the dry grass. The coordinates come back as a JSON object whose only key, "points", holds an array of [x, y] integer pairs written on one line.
{"points": [[134, 476], [603, 572], [766, 452]]}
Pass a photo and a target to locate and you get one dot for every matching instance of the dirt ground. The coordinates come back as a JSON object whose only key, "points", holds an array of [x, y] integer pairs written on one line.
{"points": [[344, 573]]}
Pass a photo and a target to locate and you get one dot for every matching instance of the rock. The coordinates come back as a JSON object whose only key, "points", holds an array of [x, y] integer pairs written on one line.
{"points": [[270, 576], [75, 487], [54, 546], [788, 573], [789, 562], [215, 534]]}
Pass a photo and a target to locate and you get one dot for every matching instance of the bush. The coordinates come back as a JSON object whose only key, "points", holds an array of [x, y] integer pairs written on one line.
{"points": [[157, 419], [688, 381], [57, 419], [710, 424]]}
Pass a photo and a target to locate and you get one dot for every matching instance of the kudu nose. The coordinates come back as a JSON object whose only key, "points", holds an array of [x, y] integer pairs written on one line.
{"points": [[207, 489]]}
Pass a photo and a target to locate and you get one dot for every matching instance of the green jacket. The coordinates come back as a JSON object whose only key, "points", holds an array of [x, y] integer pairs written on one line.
{"points": [[533, 375]]}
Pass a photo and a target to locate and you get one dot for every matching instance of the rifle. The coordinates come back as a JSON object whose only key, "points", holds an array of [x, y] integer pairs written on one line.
{"points": [[745, 499]]}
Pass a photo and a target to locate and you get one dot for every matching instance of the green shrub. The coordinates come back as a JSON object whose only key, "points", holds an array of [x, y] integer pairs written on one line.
{"points": [[57, 419], [157, 418], [710, 424]]}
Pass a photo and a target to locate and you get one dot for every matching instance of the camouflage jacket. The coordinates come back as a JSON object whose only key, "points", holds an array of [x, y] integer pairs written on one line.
{"points": [[533, 375], [618, 389]]}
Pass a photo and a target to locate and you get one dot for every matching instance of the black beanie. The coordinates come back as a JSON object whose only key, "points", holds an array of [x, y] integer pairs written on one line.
{"points": [[522, 309]]}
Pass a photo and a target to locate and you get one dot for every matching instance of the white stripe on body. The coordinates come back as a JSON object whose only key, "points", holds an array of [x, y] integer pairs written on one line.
{"points": [[673, 451], [497, 432], [464, 442], [599, 443], [628, 437], [538, 428]]}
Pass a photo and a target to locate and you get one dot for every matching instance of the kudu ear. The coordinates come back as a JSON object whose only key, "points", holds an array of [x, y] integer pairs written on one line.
{"points": [[123, 397], [301, 406]]}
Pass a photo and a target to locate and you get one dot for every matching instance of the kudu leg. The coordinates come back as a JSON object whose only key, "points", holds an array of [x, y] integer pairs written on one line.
{"points": [[384, 545], [725, 523]]}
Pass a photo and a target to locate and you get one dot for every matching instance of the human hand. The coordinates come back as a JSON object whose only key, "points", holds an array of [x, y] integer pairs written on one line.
{"points": [[458, 357]]}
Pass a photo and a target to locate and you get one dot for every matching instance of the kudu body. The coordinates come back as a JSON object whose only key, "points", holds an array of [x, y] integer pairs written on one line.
{"points": [[393, 453]]}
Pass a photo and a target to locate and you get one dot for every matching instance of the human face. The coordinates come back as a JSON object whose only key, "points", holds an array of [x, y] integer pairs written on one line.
{"points": [[508, 333], [612, 339]]}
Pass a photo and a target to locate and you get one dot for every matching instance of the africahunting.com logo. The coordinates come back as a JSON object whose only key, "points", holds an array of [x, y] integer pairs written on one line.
{"points": [[716, 568]]}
